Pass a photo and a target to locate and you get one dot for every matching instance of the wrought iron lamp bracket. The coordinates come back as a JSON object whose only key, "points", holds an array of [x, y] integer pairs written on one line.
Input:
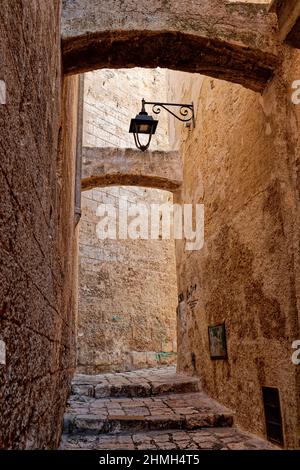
{"points": [[186, 111]]}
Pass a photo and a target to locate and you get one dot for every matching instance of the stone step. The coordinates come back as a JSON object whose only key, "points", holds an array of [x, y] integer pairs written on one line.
{"points": [[102, 390], [148, 383], [110, 416], [208, 439], [156, 420]]}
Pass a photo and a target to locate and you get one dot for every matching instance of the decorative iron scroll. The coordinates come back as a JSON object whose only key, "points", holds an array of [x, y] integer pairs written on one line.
{"points": [[185, 112]]}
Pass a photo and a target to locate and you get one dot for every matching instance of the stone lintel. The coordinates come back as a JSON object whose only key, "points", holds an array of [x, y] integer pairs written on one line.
{"points": [[130, 167], [231, 41]]}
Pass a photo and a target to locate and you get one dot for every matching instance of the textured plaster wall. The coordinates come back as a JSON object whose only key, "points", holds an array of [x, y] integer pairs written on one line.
{"points": [[128, 292], [242, 162], [37, 239]]}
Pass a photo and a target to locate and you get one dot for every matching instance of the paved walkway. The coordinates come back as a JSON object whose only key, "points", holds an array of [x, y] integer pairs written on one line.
{"points": [[149, 409]]}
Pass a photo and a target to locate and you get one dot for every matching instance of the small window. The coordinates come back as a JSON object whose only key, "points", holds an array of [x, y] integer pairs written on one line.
{"points": [[273, 415]]}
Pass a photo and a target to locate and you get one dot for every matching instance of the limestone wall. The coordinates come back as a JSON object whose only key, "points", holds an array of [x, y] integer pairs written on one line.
{"points": [[128, 296], [37, 238], [242, 162], [128, 292]]}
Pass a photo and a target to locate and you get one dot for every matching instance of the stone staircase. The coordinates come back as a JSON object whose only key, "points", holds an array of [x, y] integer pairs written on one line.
{"points": [[147, 409], [140, 383]]}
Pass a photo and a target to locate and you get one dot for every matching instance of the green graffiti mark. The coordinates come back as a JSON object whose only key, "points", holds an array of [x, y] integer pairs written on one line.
{"points": [[163, 355], [116, 318]]}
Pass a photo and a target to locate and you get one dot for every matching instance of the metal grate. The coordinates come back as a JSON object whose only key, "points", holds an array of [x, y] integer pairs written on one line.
{"points": [[273, 414]]}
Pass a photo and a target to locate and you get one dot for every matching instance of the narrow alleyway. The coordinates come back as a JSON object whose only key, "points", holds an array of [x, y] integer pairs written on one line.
{"points": [[149, 409]]}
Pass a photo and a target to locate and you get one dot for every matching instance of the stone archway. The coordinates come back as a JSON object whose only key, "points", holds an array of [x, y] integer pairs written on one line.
{"points": [[230, 41]]}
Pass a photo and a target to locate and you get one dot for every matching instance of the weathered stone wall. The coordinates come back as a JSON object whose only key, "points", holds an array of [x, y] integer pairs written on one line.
{"points": [[128, 292], [37, 242], [242, 162]]}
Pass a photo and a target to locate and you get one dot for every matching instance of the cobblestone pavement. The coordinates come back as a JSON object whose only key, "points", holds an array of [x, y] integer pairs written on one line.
{"points": [[149, 409]]}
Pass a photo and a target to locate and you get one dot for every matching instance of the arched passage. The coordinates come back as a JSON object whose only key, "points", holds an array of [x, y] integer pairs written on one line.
{"points": [[234, 42], [128, 167], [127, 286]]}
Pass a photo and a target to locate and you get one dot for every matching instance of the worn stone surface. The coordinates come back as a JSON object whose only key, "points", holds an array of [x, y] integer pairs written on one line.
{"points": [[242, 162], [177, 409], [138, 383], [233, 41], [172, 421], [113, 97], [200, 439], [37, 249], [129, 167]]}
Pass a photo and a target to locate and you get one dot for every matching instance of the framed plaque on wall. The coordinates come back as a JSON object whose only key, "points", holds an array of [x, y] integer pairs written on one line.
{"points": [[217, 341]]}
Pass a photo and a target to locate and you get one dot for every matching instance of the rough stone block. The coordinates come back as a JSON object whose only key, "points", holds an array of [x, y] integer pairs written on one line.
{"points": [[139, 359]]}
